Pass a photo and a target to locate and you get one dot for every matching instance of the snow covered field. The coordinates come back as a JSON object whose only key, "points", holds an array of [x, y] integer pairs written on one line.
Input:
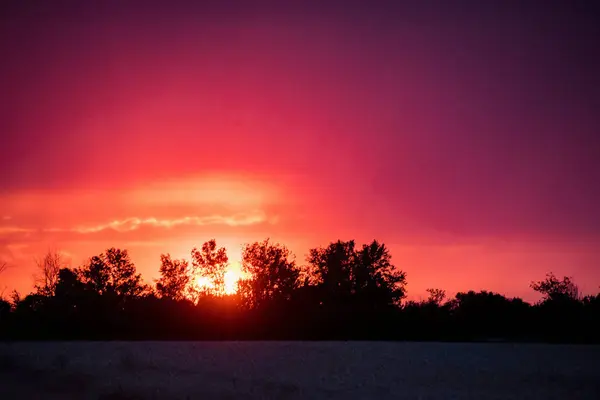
{"points": [[297, 370]]}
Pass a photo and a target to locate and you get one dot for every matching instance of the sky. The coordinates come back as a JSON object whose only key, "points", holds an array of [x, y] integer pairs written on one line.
{"points": [[465, 136]]}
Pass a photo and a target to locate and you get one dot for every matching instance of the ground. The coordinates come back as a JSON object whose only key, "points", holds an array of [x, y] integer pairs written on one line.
{"points": [[297, 370]]}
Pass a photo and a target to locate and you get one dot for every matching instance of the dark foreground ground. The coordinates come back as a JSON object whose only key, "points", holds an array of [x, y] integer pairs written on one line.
{"points": [[297, 370]]}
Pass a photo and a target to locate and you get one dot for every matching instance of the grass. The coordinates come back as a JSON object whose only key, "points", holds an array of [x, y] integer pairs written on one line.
{"points": [[8, 363], [120, 394], [256, 370], [127, 362], [61, 362]]}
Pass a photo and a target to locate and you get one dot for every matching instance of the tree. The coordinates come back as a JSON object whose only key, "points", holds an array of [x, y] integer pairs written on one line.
{"points": [[332, 267], [15, 298], [174, 278], [32, 303], [367, 275], [96, 275], [377, 277], [489, 314], [436, 296], [552, 288], [47, 276], [69, 286], [273, 273], [112, 272], [211, 263], [4, 309]]}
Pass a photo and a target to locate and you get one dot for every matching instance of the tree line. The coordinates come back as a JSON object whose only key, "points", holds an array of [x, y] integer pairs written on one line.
{"points": [[344, 292]]}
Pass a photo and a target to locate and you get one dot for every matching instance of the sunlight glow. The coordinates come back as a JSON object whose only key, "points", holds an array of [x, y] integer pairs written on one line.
{"points": [[203, 282], [237, 191], [233, 272], [232, 276], [231, 280]]}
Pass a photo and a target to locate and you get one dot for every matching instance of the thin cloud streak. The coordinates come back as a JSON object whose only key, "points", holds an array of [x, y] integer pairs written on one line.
{"points": [[133, 223], [7, 230]]}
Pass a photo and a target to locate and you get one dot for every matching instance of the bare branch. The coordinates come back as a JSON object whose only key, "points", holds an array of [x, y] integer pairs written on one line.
{"points": [[48, 269]]}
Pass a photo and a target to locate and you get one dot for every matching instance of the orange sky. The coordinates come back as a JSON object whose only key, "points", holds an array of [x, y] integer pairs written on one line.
{"points": [[447, 138], [175, 215]]}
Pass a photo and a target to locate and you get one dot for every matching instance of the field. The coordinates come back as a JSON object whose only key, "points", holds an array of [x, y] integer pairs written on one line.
{"points": [[297, 370]]}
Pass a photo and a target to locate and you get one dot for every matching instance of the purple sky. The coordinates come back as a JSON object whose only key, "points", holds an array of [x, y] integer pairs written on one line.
{"points": [[465, 135]]}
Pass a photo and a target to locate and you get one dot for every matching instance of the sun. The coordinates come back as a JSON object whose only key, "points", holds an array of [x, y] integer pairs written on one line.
{"points": [[230, 284], [203, 282], [233, 271], [232, 277]]}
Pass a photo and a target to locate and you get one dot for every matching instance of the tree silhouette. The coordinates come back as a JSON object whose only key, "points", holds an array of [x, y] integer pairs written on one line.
{"points": [[31, 303], [332, 268], [273, 273], [4, 309], [210, 262], [73, 299], [552, 288], [436, 296], [366, 276], [174, 278], [112, 273], [377, 277], [487, 314], [354, 292], [15, 297], [48, 269], [69, 286]]}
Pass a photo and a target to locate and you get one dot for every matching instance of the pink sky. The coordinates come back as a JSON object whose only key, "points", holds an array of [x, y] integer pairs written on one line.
{"points": [[466, 140]]}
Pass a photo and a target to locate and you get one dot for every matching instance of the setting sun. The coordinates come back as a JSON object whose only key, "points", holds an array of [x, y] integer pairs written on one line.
{"points": [[203, 282], [231, 278]]}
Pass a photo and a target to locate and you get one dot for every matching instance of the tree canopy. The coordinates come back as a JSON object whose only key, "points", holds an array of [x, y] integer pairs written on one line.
{"points": [[112, 272], [362, 276], [553, 288], [175, 276], [343, 291], [210, 262], [273, 274]]}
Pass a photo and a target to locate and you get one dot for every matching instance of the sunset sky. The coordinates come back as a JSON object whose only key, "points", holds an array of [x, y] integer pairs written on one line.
{"points": [[464, 135]]}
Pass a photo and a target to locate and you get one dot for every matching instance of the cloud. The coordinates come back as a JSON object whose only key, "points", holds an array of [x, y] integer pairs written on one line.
{"points": [[134, 223], [6, 230]]}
